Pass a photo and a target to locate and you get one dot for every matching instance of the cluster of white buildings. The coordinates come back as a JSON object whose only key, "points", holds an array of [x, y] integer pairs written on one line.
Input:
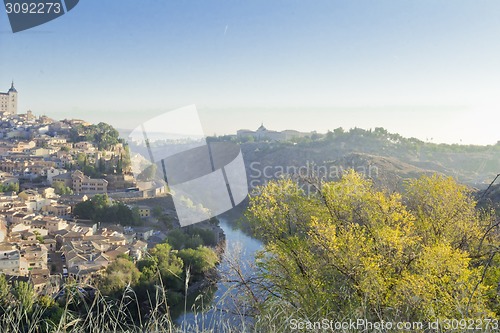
{"points": [[32, 147], [47, 248], [39, 240]]}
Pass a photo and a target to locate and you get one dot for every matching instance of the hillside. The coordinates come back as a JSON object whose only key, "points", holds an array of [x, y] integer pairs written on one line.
{"points": [[385, 157], [395, 157]]}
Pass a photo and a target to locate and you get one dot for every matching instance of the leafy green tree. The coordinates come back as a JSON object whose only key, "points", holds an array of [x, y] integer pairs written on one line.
{"points": [[104, 135], [169, 265], [85, 210], [338, 131], [52, 313], [149, 270], [39, 237], [167, 221], [4, 290], [100, 208], [101, 201], [200, 260], [124, 214], [208, 236], [125, 157], [81, 160], [101, 166], [13, 187], [119, 274], [191, 238], [193, 242], [119, 165], [25, 295], [177, 238], [61, 189], [214, 221]]}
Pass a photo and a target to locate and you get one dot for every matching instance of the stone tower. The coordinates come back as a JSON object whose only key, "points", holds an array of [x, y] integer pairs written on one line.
{"points": [[8, 101]]}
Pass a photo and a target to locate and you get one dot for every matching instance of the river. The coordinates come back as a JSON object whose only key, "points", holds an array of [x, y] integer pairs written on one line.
{"points": [[224, 300]]}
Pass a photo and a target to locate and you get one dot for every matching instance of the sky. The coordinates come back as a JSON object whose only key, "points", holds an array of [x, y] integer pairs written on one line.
{"points": [[428, 69]]}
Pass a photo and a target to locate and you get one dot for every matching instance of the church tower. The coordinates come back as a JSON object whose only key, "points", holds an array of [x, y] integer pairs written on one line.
{"points": [[12, 100]]}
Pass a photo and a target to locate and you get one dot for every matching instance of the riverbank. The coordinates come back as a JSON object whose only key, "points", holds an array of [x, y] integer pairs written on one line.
{"points": [[223, 297]]}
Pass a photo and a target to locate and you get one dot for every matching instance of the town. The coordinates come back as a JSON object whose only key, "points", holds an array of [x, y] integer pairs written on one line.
{"points": [[44, 174]]}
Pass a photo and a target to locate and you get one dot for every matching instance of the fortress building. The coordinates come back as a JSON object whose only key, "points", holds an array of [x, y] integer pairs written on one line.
{"points": [[8, 101], [263, 133]]}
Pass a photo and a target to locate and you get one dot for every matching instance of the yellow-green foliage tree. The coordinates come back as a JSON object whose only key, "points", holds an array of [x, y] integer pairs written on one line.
{"points": [[355, 251]]}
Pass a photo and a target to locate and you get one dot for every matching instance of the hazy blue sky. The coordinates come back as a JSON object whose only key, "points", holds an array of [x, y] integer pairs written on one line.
{"points": [[423, 68]]}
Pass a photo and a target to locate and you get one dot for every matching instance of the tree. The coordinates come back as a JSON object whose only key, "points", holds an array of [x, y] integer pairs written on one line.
{"points": [[81, 160], [207, 236], [191, 238], [338, 131], [25, 295], [127, 216], [148, 173], [350, 248], [119, 274], [52, 313], [445, 212], [39, 237], [125, 157], [61, 189], [119, 165], [177, 238], [169, 265], [193, 242], [104, 135], [85, 210], [380, 131], [157, 211], [100, 208], [102, 166], [101, 201], [149, 269], [248, 139], [4, 290], [200, 260], [12, 187]]}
